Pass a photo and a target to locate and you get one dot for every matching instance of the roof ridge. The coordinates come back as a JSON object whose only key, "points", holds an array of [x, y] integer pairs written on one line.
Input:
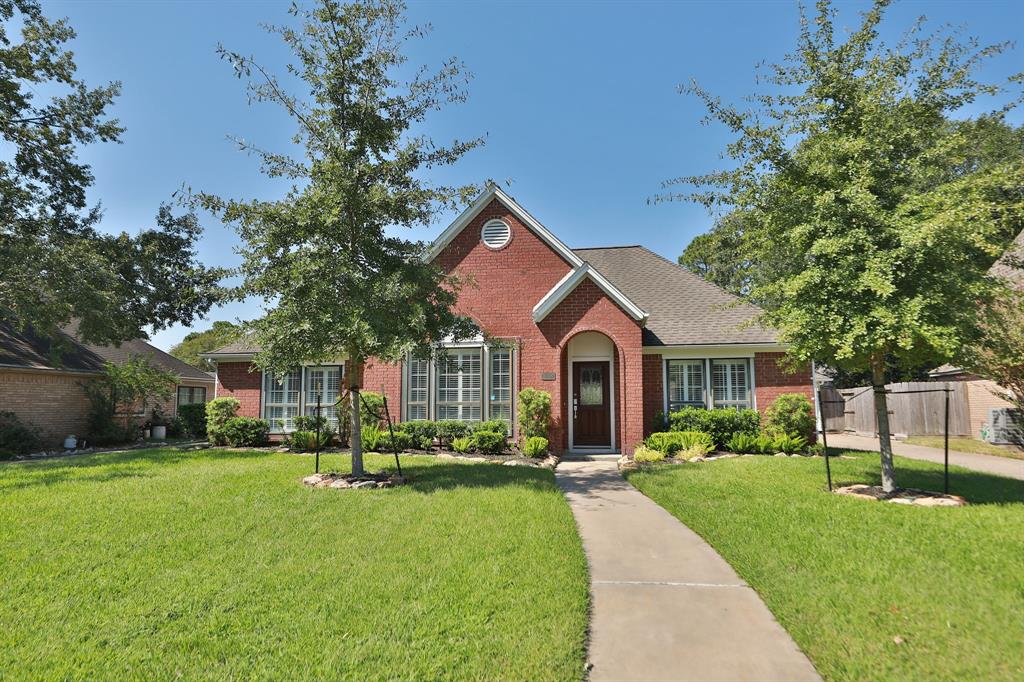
{"points": [[596, 248]]}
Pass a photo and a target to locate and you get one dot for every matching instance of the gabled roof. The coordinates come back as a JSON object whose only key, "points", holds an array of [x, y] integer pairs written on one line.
{"points": [[243, 346], [682, 308], [573, 279], [29, 350], [480, 203]]}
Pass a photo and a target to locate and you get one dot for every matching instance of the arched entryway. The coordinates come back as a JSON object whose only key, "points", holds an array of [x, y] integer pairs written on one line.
{"points": [[591, 390]]}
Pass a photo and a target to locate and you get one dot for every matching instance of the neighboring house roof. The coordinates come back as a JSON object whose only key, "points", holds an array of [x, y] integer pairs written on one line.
{"points": [[29, 350], [683, 309], [1008, 270]]}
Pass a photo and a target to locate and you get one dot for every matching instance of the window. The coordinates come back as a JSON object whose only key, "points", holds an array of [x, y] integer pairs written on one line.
{"points": [[327, 382], [685, 384], [189, 395], [495, 234], [459, 385], [281, 399], [730, 383], [418, 388], [501, 385]]}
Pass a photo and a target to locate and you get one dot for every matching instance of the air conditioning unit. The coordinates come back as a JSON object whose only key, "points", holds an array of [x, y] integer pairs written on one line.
{"points": [[1006, 426]]}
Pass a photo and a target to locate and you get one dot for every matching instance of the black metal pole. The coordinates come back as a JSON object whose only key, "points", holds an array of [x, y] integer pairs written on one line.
{"points": [[824, 443], [317, 446], [391, 430], [945, 472]]}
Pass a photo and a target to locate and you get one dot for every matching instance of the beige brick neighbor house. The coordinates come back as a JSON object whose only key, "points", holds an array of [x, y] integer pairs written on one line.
{"points": [[44, 386]]}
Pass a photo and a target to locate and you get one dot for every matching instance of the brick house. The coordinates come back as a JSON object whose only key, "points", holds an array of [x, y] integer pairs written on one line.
{"points": [[615, 335], [44, 386]]}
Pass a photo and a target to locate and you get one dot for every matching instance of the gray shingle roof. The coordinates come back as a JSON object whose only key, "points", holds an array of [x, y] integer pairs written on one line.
{"points": [[1008, 270], [242, 346], [684, 309], [32, 351]]}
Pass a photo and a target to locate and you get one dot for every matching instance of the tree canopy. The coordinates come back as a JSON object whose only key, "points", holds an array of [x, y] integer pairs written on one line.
{"points": [[872, 219], [337, 278], [55, 265], [195, 343]]}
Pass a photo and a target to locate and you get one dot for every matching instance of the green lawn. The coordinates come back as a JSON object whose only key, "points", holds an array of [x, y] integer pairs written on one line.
{"points": [[846, 576], [159, 564], [967, 445]]}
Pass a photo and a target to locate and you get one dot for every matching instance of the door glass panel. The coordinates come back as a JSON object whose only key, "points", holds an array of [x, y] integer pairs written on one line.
{"points": [[591, 387]]}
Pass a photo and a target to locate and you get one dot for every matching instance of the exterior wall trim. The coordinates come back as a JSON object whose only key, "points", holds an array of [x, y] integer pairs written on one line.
{"points": [[568, 284], [613, 445]]}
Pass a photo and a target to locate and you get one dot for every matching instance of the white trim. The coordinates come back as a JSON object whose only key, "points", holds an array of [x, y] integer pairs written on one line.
{"points": [[568, 284], [507, 237], [594, 449], [494, 192], [701, 350]]}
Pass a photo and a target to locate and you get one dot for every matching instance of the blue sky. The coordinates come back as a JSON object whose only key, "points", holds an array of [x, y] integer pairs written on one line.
{"points": [[577, 100]]}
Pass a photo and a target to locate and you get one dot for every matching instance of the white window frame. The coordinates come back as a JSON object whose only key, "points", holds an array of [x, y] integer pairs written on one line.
{"points": [[685, 363], [423, 371], [327, 400], [303, 403], [730, 386], [466, 403], [708, 356], [491, 402]]}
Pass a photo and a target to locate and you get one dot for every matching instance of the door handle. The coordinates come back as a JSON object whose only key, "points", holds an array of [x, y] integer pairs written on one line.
{"points": [[575, 406]]}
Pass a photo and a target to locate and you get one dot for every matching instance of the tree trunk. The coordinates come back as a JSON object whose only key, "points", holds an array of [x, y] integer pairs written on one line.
{"points": [[354, 381], [882, 417]]}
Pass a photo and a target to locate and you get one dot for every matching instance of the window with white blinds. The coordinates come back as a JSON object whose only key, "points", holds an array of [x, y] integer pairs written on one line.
{"points": [[460, 385], [730, 383], [685, 384], [467, 383], [419, 388], [325, 381], [281, 399], [287, 396], [501, 386]]}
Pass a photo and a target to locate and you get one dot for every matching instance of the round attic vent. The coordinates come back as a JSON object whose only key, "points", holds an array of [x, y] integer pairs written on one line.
{"points": [[495, 234]]}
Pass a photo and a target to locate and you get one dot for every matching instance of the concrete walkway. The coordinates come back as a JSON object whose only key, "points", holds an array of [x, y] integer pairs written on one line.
{"points": [[665, 606], [989, 464]]}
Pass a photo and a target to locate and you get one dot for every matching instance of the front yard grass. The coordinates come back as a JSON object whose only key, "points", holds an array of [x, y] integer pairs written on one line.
{"points": [[220, 564], [967, 445], [869, 590]]}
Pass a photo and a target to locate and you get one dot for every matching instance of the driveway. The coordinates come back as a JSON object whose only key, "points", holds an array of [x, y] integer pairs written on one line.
{"points": [[665, 605], [989, 464]]}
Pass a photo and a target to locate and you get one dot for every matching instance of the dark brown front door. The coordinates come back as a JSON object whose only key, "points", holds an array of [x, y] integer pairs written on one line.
{"points": [[591, 405]]}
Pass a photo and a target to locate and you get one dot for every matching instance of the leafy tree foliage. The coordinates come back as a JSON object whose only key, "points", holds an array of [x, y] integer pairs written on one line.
{"points": [[119, 391], [196, 343], [54, 264], [720, 255], [873, 213], [337, 281]]}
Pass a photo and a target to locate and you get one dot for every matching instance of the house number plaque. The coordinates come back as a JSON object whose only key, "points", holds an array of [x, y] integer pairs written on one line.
{"points": [[547, 376]]}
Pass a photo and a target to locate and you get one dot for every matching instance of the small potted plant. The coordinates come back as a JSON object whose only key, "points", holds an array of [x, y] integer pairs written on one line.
{"points": [[158, 428]]}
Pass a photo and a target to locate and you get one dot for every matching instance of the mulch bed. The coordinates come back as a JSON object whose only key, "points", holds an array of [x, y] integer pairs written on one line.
{"points": [[907, 496], [349, 482]]}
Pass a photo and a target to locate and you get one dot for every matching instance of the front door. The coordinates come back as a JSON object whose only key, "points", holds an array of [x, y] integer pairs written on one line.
{"points": [[591, 404]]}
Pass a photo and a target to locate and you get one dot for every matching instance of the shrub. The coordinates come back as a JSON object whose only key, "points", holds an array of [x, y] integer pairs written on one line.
{"points": [[495, 425], [660, 422], [193, 419], [218, 412], [450, 429], [489, 442], [534, 413], [789, 444], [645, 454], [667, 442], [421, 431], [791, 414], [371, 407], [371, 437], [304, 441], [764, 444], [742, 443], [17, 437], [176, 427], [399, 440], [310, 423], [695, 444], [719, 424], [462, 445], [243, 432], [535, 446]]}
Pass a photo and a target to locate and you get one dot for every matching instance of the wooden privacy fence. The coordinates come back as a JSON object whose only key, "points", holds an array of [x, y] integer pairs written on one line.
{"points": [[910, 414]]}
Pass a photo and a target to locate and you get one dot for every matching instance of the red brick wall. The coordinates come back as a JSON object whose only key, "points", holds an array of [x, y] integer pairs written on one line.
{"points": [[509, 282], [771, 380], [654, 391], [54, 402], [235, 380], [378, 376]]}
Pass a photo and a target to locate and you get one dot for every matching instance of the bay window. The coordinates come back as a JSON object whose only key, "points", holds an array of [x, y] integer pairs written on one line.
{"points": [[459, 385], [730, 383], [466, 383]]}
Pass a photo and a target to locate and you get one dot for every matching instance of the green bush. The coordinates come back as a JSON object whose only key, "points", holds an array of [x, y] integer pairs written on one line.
{"points": [[535, 446], [668, 442], [489, 442], [450, 429], [17, 437], [245, 432], [421, 431], [644, 454], [463, 445], [304, 441], [176, 427], [791, 414], [789, 444], [495, 425], [534, 413], [372, 435], [193, 419], [218, 412], [766, 443], [399, 440], [660, 422], [719, 424], [743, 443], [310, 423], [371, 407]]}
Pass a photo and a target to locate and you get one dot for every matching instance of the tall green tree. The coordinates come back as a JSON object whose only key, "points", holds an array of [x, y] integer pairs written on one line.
{"points": [[875, 249], [338, 280], [54, 264], [196, 343]]}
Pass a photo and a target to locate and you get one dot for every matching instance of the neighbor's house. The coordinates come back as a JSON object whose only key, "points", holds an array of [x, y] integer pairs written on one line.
{"points": [[614, 334], [44, 387]]}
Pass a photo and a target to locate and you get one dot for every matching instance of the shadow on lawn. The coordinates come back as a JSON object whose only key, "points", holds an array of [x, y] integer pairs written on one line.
{"points": [[430, 478]]}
